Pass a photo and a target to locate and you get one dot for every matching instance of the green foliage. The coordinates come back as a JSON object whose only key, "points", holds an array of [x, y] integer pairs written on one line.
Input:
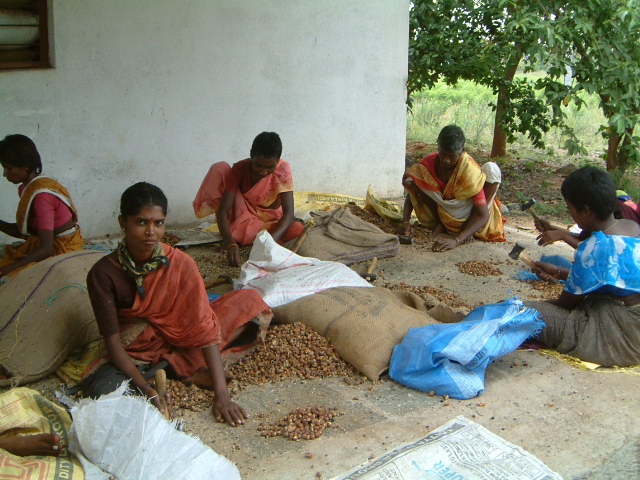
{"points": [[598, 41], [468, 104]]}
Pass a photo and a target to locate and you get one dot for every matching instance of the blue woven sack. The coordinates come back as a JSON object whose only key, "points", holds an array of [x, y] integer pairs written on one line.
{"points": [[451, 358]]}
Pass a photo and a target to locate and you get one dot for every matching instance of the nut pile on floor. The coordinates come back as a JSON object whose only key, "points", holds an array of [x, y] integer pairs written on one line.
{"points": [[478, 268], [212, 262], [444, 296], [170, 239], [547, 290], [291, 350], [305, 423], [189, 397]]}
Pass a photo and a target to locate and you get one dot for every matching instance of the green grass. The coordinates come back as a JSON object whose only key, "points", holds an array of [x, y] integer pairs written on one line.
{"points": [[467, 104]]}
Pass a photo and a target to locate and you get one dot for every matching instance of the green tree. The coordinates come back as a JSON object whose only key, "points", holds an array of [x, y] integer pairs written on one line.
{"points": [[597, 41], [472, 40]]}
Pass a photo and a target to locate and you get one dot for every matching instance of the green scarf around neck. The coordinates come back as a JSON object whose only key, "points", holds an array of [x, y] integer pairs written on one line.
{"points": [[157, 259]]}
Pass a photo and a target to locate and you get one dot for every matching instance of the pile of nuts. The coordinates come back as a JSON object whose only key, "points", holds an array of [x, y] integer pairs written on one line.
{"points": [[291, 350], [420, 233], [189, 397], [170, 239], [478, 268], [442, 295], [547, 290], [383, 224], [213, 264], [305, 423]]}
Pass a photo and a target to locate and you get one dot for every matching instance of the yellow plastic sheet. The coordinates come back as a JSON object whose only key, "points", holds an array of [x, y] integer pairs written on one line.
{"points": [[26, 412]]}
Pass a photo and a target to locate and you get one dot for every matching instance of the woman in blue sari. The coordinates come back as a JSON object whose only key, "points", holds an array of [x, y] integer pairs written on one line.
{"points": [[597, 316]]}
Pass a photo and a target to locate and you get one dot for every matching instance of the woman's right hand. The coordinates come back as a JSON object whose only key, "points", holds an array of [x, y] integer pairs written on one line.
{"points": [[547, 271], [161, 404], [233, 255]]}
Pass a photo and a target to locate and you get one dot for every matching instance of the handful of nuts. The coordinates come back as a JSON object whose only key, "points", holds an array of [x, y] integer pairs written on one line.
{"points": [[302, 424]]}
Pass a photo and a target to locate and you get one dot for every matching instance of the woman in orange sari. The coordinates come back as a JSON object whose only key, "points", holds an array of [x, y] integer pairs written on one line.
{"points": [[253, 195], [453, 195], [46, 217], [152, 310]]}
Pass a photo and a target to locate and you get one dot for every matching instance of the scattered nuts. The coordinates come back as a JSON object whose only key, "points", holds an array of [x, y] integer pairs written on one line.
{"points": [[478, 268], [305, 423]]}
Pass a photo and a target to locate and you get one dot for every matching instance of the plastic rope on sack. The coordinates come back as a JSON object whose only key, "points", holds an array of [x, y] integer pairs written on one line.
{"points": [[451, 359]]}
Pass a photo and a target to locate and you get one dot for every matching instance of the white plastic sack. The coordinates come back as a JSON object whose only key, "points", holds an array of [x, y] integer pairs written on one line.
{"points": [[281, 276], [129, 438]]}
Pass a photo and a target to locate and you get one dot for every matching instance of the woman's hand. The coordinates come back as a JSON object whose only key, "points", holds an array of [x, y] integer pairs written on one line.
{"points": [[542, 225], [233, 254], [548, 237], [225, 410], [445, 242], [408, 183], [549, 271]]}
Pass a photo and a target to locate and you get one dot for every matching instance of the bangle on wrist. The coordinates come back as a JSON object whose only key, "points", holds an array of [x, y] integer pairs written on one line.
{"points": [[457, 241], [231, 245], [143, 388]]}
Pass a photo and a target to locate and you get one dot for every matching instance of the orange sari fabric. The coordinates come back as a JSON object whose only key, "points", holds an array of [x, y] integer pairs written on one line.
{"points": [[250, 213], [181, 319], [466, 181]]}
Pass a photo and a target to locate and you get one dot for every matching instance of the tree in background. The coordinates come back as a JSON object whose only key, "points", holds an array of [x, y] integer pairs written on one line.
{"points": [[485, 40], [599, 40], [453, 40]]}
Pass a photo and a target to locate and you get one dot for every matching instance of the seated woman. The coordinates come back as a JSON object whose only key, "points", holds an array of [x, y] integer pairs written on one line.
{"points": [[46, 217], [453, 195], [554, 267], [627, 208], [253, 195], [152, 309], [597, 316]]}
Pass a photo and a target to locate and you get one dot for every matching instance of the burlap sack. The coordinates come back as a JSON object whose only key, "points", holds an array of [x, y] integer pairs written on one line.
{"points": [[340, 236], [363, 324], [46, 313]]}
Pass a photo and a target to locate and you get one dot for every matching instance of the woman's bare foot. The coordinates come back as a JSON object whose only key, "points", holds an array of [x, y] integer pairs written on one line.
{"points": [[25, 445]]}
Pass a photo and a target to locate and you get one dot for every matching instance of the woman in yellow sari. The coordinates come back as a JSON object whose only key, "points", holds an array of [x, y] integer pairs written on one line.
{"points": [[46, 217], [452, 194]]}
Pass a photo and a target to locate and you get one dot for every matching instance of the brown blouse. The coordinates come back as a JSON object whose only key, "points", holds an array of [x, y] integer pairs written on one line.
{"points": [[110, 288]]}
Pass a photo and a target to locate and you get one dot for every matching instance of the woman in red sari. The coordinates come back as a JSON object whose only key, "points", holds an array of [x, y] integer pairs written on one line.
{"points": [[253, 195], [152, 310]]}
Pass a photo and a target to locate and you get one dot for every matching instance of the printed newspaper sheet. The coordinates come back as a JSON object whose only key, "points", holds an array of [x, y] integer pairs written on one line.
{"points": [[458, 450]]}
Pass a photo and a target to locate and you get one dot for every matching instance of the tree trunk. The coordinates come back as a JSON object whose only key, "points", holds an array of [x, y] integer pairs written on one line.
{"points": [[499, 147], [617, 154], [612, 150]]}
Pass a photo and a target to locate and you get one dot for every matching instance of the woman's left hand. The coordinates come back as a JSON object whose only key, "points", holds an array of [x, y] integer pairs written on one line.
{"points": [[228, 411], [445, 242]]}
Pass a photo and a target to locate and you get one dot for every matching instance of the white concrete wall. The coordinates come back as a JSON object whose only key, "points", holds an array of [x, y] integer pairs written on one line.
{"points": [[157, 90]]}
